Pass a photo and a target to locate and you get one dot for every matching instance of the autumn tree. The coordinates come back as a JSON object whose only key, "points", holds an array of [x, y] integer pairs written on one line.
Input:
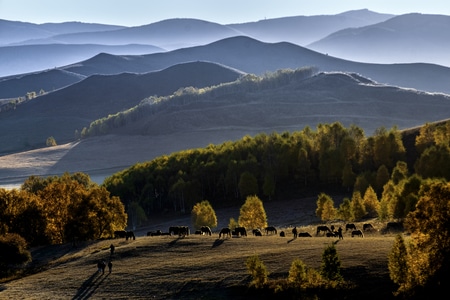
{"points": [[357, 207], [345, 209], [430, 234], [325, 208], [203, 214], [252, 213], [371, 203]]}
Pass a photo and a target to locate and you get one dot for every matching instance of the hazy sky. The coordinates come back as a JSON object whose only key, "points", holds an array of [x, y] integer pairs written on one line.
{"points": [[140, 12]]}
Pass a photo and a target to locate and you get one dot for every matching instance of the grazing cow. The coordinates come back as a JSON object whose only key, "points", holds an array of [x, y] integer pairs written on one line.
{"points": [[304, 234], [368, 227], [180, 230], [270, 229], [130, 235], [257, 232], [282, 234], [394, 227], [225, 231], [206, 230], [357, 233], [154, 233], [350, 226], [331, 234], [240, 231], [323, 228]]}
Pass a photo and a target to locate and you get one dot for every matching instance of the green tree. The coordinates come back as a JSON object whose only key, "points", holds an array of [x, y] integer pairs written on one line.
{"points": [[252, 213], [203, 214], [248, 185], [331, 264]]}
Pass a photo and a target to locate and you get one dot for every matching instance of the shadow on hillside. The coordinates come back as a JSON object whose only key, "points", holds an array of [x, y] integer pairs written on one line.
{"points": [[217, 243], [88, 287], [172, 243], [291, 240]]}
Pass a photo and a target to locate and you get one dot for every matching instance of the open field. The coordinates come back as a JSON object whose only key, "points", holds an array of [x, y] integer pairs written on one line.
{"points": [[197, 267]]}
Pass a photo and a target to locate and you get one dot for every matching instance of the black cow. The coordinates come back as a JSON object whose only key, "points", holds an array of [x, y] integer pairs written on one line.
{"points": [[240, 231], [179, 230], [225, 231], [323, 228], [270, 229], [257, 232], [357, 233], [350, 226], [120, 234], [206, 230], [304, 234], [368, 227]]}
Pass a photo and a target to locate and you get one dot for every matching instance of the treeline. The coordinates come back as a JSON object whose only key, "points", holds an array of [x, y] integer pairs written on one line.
{"points": [[154, 104], [56, 210], [275, 166]]}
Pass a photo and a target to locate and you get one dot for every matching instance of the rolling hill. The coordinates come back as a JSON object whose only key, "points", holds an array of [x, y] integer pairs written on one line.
{"points": [[216, 117], [405, 38], [61, 113]]}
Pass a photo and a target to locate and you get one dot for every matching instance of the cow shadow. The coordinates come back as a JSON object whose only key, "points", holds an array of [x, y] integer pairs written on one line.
{"points": [[88, 288], [217, 243]]}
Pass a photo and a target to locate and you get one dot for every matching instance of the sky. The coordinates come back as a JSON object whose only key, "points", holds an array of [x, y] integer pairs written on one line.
{"points": [[142, 12]]}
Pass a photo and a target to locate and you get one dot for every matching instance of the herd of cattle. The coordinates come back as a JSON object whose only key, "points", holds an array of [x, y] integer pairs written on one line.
{"points": [[322, 230]]}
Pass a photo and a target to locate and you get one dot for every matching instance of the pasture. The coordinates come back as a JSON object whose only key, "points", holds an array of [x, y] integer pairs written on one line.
{"points": [[198, 267]]}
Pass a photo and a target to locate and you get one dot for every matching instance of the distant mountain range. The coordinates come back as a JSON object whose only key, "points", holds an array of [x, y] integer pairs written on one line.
{"points": [[318, 32], [405, 38], [242, 53]]}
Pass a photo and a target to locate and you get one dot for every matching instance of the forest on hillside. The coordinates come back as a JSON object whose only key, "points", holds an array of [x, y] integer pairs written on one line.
{"points": [[286, 165]]}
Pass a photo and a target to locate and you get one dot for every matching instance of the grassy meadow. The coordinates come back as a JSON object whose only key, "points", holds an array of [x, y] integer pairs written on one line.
{"points": [[199, 267]]}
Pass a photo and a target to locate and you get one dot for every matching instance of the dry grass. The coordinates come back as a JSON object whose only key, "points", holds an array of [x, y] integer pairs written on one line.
{"points": [[196, 267]]}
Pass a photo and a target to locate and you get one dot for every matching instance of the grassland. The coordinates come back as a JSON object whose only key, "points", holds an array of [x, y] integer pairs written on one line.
{"points": [[198, 267]]}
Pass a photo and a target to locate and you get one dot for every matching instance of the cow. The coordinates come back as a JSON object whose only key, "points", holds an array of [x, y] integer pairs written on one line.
{"points": [[282, 234], [225, 231], [206, 230], [368, 227], [304, 234], [257, 232], [332, 234], [270, 229], [240, 231], [154, 233], [357, 233], [394, 227], [130, 235], [350, 226], [322, 228], [179, 230]]}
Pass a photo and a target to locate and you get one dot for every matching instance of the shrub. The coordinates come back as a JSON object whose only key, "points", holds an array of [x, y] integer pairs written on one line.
{"points": [[297, 273], [331, 264], [14, 250], [257, 270]]}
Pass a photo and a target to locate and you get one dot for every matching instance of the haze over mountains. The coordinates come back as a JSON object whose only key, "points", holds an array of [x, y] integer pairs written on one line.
{"points": [[178, 53]]}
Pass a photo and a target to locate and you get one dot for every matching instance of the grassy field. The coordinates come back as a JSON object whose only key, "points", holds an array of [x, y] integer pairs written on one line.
{"points": [[197, 267]]}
